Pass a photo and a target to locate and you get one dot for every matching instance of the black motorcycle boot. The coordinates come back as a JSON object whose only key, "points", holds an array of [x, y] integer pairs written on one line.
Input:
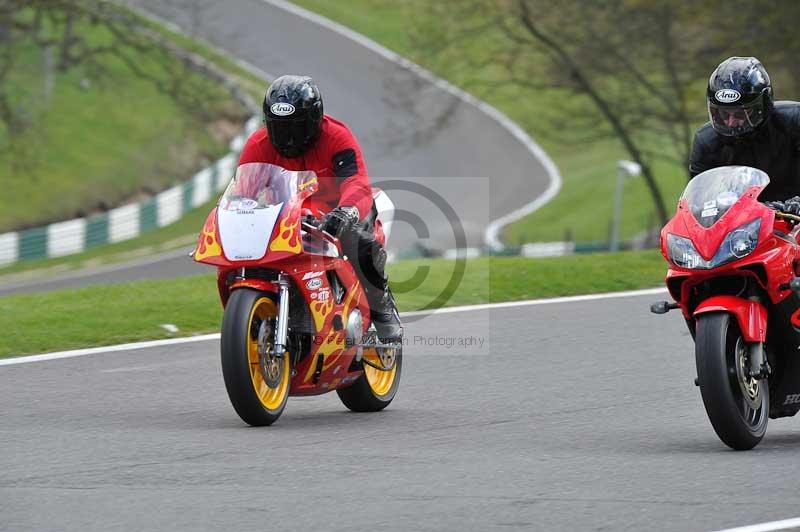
{"points": [[385, 316]]}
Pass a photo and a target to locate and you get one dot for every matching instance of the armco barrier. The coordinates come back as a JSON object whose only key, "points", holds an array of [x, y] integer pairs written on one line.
{"points": [[125, 222]]}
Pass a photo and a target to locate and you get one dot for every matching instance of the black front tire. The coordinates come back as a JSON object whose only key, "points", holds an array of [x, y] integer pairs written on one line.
{"points": [[237, 366], [717, 346]]}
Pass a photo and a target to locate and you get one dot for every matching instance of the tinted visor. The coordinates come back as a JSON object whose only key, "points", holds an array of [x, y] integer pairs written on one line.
{"points": [[289, 136], [735, 120]]}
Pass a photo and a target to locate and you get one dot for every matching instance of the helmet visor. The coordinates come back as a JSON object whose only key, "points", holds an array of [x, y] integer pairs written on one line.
{"points": [[735, 120], [289, 136]]}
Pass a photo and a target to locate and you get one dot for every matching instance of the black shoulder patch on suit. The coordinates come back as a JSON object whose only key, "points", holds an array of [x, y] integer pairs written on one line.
{"points": [[345, 164]]}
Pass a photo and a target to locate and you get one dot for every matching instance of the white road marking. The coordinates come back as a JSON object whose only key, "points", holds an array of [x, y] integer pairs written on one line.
{"points": [[215, 336], [107, 349], [491, 235], [785, 524], [535, 302]]}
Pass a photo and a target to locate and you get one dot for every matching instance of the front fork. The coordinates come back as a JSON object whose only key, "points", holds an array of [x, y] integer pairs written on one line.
{"points": [[759, 367], [283, 314]]}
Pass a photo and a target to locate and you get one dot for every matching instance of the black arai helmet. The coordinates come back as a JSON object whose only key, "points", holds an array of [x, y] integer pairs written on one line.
{"points": [[739, 96], [293, 114]]}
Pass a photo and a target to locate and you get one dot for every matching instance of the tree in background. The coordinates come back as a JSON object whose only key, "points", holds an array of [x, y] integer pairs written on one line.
{"points": [[634, 70]]}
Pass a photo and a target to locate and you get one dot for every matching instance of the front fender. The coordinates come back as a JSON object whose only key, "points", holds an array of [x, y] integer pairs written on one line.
{"points": [[751, 315]]}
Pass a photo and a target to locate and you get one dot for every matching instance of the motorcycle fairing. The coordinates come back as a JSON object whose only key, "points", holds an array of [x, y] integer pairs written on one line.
{"points": [[245, 234], [783, 355], [708, 240], [681, 282], [208, 249], [331, 357]]}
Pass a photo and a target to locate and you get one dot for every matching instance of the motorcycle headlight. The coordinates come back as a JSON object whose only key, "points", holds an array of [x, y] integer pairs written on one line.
{"points": [[737, 244], [683, 253]]}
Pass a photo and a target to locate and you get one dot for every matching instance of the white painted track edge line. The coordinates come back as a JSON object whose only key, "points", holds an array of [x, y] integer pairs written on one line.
{"points": [[106, 349], [784, 524], [491, 235], [215, 336]]}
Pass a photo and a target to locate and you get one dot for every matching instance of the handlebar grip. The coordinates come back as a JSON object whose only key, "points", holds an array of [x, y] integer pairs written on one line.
{"points": [[787, 216]]}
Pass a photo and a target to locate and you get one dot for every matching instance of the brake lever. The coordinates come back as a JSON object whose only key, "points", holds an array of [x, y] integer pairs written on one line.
{"points": [[786, 216], [316, 231]]}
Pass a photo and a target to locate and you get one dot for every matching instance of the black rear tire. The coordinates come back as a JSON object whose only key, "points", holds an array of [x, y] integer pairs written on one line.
{"points": [[718, 351], [364, 396]]}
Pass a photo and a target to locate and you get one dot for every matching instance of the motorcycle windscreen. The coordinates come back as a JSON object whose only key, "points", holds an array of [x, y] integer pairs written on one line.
{"points": [[252, 204], [710, 194]]}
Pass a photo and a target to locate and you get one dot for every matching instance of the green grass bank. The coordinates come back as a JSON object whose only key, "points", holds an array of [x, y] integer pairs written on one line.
{"points": [[99, 135], [112, 314]]}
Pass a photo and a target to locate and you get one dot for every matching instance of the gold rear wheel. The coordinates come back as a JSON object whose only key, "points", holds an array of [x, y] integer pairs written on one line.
{"points": [[380, 381], [375, 388]]}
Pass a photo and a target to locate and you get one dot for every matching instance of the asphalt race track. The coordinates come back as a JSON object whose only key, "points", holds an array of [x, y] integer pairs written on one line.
{"points": [[410, 129], [562, 416], [569, 427]]}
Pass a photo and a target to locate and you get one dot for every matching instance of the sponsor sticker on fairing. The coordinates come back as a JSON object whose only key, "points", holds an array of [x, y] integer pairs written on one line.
{"points": [[311, 275], [792, 399], [247, 204], [314, 284], [709, 209]]}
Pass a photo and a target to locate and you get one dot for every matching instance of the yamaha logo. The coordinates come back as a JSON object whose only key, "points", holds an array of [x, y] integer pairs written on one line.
{"points": [[727, 95], [283, 109]]}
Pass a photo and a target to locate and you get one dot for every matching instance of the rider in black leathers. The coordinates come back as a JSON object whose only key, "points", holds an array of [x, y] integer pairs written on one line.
{"points": [[748, 128]]}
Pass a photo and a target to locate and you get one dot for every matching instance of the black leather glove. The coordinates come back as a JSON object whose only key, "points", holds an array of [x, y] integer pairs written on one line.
{"points": [[339, 220], [789, 206]]}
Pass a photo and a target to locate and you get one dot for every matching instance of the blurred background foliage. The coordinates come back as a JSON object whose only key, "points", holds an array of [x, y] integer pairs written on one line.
{"points": [[593, 81], [633, 70], [98, 108], [95, 109]]}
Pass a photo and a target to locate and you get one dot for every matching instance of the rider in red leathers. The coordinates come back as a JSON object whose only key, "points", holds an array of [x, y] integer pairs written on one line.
{"points": [[299, 136]]}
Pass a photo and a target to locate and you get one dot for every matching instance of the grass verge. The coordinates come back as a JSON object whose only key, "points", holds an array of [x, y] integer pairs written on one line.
{"points": [[111, 314]]}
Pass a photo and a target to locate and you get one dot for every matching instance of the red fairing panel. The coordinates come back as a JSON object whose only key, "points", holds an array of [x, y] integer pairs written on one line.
{"points": [[708, 240], [751, 315]]}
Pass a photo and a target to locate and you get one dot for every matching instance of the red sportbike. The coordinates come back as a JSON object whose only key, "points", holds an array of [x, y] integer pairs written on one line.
{"points": [[296, 318], [733, 272]]}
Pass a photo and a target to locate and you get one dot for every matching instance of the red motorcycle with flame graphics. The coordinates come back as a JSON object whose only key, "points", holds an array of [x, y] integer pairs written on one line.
{"points": [[733, 272], [296, 319]]}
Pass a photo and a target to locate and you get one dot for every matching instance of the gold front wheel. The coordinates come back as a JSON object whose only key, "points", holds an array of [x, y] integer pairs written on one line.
{"points": [[257, 380]]}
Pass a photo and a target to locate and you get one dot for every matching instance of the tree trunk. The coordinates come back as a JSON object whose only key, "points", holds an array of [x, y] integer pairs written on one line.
{"points": [[66, 43], [588, 88]]}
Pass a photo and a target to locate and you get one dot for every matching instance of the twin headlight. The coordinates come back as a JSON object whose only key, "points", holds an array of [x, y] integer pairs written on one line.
{"points": [[739, 243]]}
